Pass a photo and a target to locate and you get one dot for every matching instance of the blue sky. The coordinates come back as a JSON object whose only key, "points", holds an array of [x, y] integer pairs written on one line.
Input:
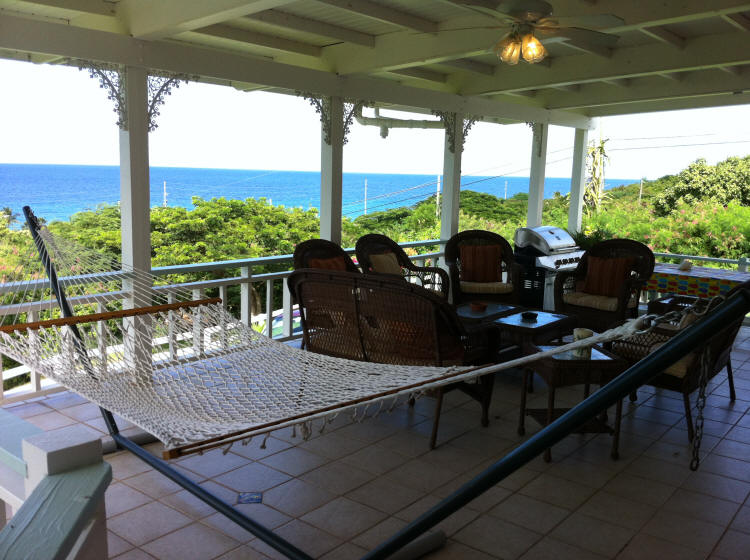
{"points": [[55, 114]]}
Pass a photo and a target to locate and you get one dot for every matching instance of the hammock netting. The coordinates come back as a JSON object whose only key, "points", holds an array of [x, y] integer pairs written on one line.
{"points": [[181, 367]]}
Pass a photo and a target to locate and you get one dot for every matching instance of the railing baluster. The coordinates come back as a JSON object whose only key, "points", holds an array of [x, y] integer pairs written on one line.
{"points": [[36, 380], [269, 309], [101, 340], [198, 344], [246, 296], [223, 294], [288, 310], [171, 334]]}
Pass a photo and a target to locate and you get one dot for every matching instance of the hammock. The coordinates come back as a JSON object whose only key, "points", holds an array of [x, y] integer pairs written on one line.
{"points": [[180, 366]]}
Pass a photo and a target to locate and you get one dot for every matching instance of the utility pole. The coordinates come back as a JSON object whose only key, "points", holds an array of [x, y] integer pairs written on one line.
{"points": [[506, 191], [365, 197], [165, 195], [640, 191]]}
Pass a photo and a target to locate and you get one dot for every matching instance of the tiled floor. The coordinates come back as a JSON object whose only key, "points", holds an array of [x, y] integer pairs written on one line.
{"points": [[340, 493]]}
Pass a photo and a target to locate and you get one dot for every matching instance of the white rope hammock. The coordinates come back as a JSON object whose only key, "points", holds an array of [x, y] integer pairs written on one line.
{"points": [[187, 371]]}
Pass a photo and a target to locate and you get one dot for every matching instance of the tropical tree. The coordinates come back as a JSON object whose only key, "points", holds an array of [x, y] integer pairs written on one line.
{"points": [[593, 194]]}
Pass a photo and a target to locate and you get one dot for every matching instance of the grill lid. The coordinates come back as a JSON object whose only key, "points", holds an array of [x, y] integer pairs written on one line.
{"points": [[547, 239]]}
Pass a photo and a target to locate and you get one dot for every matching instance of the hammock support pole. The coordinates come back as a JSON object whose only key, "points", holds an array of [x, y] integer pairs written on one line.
{"points": [[681, 345]]}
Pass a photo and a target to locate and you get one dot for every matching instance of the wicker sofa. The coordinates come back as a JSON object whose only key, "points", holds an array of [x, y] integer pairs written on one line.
{"points": [[379, 318]]}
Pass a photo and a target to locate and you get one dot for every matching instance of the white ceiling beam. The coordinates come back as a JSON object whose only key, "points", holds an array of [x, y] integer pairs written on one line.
{"points": [[664, 35], [734, 70], [384, 13], [694, 85], [33, 36], [404, 49], [471, 65], [674, 76], [739, 21], [290, 21], [670, 105], [709, 51], [261, 39], [98, 7], [590, 48], [422, 74], [619, 82], [147, 19]]}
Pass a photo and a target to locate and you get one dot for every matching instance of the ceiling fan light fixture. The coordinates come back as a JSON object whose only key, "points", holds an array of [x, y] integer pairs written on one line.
{"points": [[532, 49], [508, 49]]}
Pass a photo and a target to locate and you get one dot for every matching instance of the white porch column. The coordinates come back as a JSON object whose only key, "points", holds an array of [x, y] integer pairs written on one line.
{"points": [[453, 147], [331, 168], [536, 174], [577, 179], [134, 173]]}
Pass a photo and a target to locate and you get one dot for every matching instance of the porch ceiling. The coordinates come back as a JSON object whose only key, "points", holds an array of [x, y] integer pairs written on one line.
{"points": [[673, 54]]}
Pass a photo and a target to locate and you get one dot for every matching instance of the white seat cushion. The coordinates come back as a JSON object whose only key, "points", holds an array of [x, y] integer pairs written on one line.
{"points": [[385, 263], [486, 287], [603, 303]]}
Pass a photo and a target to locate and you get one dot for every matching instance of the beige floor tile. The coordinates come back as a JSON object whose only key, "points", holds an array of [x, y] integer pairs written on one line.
{"points": [[337, 477], [297, 497], [307, 538], [116, 545], [346, 551], [733, 544], [28, 409], [646, 547], [453, 458], [228, 527], [659, 471], [343, 518], [375, 535], [184, 502], [253, 477], [83, 412], [640, 489], [63, 400], [243, 552], [618, 510], [718, 486], [686, 531], [540, 517], [294, 461], [124, 465], [385, 495], [733, 449], [135, 554], [454, 550], [332, 446], [594, 535], [193, 541], [256, 448], [212, 463], [120, 498], [153, 484], [741, 521], [701, 506], [584, 472], [557, 491], [421, 475], [375, 459], [50, 420], [146, 523], [553, 549], [497, 538], [726, 466]]}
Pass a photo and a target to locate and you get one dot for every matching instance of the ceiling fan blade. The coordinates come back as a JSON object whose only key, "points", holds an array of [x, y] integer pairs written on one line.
{"points": [[595, 38], [594, 21], [483, 8]]}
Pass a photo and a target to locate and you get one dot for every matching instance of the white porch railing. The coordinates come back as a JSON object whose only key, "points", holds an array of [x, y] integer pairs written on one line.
{"points": [[40, 386]]}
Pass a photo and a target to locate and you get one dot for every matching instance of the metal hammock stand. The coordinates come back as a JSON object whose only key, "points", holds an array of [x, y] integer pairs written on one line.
{"points": [[412, 540]]}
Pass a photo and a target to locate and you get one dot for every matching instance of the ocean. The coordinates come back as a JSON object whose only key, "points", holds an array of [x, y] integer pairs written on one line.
{"points": [[56, 192]]}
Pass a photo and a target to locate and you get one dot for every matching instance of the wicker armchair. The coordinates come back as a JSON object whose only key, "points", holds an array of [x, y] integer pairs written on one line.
{"points": [[482, 267], [382, 319], [322, 254], [380, 254], [605, 287], [684, 375]]}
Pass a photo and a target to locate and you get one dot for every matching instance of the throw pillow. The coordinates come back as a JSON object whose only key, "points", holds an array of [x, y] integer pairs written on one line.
{"points": [[385, 263], [605, 276], [481, 263], [331, 263]]}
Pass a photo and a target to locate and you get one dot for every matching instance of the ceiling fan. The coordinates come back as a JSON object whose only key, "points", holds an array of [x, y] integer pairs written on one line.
{"points": [[526, 18]]}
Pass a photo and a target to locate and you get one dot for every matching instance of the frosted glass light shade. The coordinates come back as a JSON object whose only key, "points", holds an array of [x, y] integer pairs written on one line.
{"points": [[532, 49], [508, 49]]}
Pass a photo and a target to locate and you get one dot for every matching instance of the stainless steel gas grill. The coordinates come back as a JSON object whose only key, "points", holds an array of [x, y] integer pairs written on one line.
{"points": [[541, 252]]}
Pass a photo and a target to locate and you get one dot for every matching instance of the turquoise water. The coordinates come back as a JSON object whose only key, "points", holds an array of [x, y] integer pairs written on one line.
{"points": [[55, 192]]}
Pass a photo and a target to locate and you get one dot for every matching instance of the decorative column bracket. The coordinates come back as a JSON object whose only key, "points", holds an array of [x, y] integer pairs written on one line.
{"points": [[112, 79], [534, 126], [322, 106], [449, 120]]}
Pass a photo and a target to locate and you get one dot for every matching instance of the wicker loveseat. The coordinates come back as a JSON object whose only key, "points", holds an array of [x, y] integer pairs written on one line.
{"points": [[379, 318]]}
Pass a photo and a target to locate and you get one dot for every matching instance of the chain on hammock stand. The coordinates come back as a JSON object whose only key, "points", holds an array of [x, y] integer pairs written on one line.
{"points": [[700, 404]]}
